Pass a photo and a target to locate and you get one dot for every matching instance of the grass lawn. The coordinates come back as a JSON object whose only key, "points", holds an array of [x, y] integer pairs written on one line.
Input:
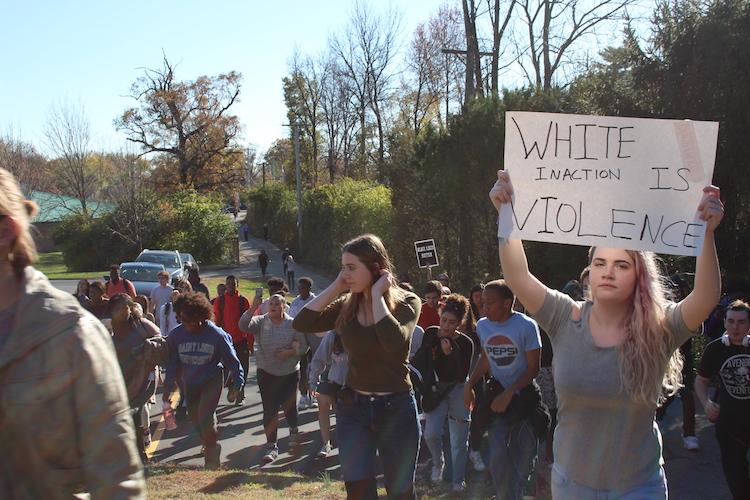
{"points": [[186, 483], [247, 287], [53, 266]]}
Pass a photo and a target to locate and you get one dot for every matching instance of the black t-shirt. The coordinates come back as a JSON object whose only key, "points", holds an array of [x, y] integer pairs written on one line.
{"points": [[453, 367], [732, 364]]}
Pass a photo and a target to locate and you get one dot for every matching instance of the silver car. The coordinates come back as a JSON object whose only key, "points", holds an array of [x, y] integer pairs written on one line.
{"points": [[170, 259], [142, 275]]}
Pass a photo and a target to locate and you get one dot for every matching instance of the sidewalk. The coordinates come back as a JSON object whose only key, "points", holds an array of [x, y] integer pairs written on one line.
{"points": [[248, 268]]}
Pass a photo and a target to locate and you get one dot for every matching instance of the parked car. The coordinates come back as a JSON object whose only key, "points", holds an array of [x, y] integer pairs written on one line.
{"points": [[189, 260], [170, 259], [142, 275]]}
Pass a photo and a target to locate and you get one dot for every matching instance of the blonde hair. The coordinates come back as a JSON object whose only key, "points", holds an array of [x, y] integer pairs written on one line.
{"points": [[369, 249], [650, 366], [22, 252]]}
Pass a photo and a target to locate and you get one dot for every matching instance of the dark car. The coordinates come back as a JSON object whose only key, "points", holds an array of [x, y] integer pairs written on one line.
{"points": [[142, 275]]}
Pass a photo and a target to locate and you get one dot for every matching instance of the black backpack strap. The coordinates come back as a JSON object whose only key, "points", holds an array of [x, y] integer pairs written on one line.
{"points": [[220, 319]]}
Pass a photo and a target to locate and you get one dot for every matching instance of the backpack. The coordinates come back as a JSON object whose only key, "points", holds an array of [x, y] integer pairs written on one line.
{"points": [[244, 306]]}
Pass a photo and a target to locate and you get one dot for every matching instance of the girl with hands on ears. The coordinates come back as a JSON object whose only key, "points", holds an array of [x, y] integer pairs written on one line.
{"points": [[616, 354], [376, 411]]}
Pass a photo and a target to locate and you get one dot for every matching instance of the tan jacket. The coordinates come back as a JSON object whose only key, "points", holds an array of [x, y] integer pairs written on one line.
{"points": [[65, 423]]}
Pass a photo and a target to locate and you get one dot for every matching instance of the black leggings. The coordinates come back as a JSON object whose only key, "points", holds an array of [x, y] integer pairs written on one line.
{"points": [[278, 391], [734, 461]]}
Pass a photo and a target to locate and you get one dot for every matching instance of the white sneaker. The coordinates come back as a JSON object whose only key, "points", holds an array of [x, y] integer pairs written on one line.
{"points": [[325, 451], [691, 443], [437, 473], [313, 403], [476, 460], [459, 487], [304, 403]]}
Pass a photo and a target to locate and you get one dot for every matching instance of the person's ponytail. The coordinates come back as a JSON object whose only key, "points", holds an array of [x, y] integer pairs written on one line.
{"points": [[22, 251]]}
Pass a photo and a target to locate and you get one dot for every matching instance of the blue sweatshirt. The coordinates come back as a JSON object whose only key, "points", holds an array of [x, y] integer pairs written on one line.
{"points": [[199, 355]]}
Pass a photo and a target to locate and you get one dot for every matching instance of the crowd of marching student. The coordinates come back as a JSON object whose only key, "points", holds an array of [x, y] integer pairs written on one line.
{"points": [[73, 391]]}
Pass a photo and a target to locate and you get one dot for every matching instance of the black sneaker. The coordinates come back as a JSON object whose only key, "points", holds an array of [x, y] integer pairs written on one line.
{"points": [[272, 454]]}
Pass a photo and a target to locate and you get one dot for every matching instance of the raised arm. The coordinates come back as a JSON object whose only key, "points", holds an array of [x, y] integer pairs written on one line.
{"points": [[696, 307], [529, 290]]}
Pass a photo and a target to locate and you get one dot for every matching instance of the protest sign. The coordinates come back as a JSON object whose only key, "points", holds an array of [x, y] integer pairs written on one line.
{"points": [[426, 253], [596, 180]]}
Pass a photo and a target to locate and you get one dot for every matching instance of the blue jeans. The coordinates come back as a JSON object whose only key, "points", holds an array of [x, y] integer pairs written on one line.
{"points": [[513, 448], [452, 406], [564, 488], [368, 426]]}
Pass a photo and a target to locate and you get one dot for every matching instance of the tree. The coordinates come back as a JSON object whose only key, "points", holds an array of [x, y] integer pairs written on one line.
{"points": [[303, 91], [367, 50], [68, 137], [26, 164], [189, 123], [552, 29], [339, 118]]}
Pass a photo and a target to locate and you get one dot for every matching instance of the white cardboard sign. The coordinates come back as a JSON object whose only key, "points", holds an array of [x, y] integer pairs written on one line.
{"points": [[629, 183]]}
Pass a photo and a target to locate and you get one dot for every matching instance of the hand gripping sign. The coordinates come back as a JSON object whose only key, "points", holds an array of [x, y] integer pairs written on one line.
{"points": [[629, 183]]}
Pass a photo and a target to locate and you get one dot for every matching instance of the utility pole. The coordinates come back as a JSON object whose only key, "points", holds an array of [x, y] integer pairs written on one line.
{"points": [[295, 127], [455, 52]]}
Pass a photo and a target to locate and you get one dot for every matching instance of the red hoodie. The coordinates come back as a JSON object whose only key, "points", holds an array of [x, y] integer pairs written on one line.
{"points": [[428, 317], [234, 306]]}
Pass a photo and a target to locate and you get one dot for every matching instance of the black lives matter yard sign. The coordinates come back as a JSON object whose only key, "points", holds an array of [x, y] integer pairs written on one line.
{"points": [[595, 180], [426, 253]]}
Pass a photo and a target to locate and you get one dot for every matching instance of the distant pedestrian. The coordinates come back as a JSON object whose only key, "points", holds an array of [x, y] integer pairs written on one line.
{"points": [[98, 301], [65, 427], [118, 284], [284, 256], [199, 353], [82, 292], [228, 309], [265, 232], [290, 268], [263, 262], [195, 281], [160, 294], [245, 230], [145, 305]]}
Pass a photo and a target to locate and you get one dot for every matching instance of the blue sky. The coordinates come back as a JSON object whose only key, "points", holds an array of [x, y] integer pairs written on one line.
{"points": [[90, 52]]}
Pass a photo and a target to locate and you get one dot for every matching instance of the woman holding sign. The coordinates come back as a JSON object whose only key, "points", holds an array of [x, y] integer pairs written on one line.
{"points": [[614, 353]]}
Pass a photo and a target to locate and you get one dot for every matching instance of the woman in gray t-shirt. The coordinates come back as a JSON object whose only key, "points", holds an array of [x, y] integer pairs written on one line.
{"points": [[613, 354]]}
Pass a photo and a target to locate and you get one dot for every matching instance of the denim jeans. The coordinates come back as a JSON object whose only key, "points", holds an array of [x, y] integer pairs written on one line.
{"points": [[452, 406], [564, 488], [513, 448], [382, 425]]}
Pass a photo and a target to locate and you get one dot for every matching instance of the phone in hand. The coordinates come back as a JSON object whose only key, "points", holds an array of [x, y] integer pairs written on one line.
{"points": [[258, 293]]}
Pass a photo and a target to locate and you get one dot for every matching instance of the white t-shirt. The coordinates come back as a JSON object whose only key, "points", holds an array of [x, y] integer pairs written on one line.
{"points": [[298, 304], [290, 264], [160, 296]]}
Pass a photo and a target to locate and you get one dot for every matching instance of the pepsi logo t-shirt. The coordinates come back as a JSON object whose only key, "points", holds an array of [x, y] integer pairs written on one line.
{"points": [[506, 344]]}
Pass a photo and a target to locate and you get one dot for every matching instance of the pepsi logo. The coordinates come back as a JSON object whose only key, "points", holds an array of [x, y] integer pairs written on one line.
{"points": [[501, 350]]}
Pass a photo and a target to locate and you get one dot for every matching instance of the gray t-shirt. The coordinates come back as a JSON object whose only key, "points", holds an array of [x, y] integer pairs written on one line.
{"points": [[604, 438], [269, 338], [160, 295]]}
